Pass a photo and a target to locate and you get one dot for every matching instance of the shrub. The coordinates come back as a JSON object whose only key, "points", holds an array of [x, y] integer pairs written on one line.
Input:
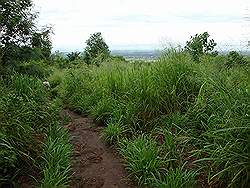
{"points": [[59, 60], [118, 58], [34, 68], [200, 45]]}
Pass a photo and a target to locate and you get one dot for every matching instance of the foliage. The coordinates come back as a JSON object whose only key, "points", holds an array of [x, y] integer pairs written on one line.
{"points": [[96, 50], [20, 39], [36, 69], [118, 58], [200, 45], [41, 41], [73, 56], [59, 60], [234, 58], [16, 22]]}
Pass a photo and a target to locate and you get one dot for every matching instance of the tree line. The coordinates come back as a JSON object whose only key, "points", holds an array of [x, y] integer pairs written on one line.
{"points": [[21, 40]]}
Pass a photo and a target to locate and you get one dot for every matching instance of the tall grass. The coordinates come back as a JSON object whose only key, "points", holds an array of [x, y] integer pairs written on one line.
{"points": [[139, 92], [201, 111], [56, 156], [26, 114], [221, 116]]}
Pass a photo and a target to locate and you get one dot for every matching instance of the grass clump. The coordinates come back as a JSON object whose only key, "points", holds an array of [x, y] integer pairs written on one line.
{"points": [[56, 156], [176, 178], [113, 132], [142, 160]]}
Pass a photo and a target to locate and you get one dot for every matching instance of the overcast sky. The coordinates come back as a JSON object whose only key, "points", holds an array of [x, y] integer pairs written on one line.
{"points": [[145, 24]]}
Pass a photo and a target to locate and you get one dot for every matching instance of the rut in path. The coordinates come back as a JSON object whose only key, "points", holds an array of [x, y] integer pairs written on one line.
{"points": [[94, 164]]}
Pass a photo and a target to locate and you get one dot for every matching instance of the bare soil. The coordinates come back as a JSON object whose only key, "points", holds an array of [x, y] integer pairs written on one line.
{"points": [[94, 164]]}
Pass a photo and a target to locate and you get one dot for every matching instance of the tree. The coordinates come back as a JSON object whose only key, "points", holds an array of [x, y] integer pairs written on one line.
{"points": [[19, 36], [16, 24], [200, 45], [96, 50], [73, 56], [41, 42]]}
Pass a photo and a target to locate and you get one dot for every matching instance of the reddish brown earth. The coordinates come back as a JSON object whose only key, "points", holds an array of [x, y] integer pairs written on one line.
{"points": [[94, 164]]}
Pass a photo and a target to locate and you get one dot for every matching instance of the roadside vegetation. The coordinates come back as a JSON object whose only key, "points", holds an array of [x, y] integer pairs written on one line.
{"points": [[179, 121]]}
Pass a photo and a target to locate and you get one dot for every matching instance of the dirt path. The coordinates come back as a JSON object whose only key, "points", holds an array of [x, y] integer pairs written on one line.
{"points": [[94, 165]]}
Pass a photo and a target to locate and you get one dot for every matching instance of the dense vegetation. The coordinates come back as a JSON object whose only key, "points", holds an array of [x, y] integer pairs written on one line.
{"points": [[34, 147], [175, 121], [179, 121]]}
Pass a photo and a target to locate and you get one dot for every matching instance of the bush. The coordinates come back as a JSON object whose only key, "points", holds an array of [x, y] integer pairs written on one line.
{"points": [[73, 56], [35, 68], [59, 60], [200, 45]]}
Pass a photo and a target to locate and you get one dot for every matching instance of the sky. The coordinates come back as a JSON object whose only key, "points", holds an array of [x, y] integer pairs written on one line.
{"points": [[145, 24]]}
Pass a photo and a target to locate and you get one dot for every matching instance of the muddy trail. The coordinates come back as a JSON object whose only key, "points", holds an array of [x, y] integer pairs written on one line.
{"points": [[94, 164]]}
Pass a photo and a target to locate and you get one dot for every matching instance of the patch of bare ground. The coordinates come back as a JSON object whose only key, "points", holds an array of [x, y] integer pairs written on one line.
{"points": [[94, 164]]}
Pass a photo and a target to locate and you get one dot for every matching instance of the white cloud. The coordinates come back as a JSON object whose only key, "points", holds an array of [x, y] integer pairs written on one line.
{"points": [[141, 23]]}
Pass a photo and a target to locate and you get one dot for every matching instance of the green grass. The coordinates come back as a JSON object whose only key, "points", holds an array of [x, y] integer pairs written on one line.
{"points": [[201, 111], [113, 132], [27, 117], [142, 160], [176, 178], [24, 113], [56, 156]]}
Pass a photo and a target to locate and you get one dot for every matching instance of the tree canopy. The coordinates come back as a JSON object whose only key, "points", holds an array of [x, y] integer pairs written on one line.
{"points": [[96, 49], [199, 45], [18, 32]]}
